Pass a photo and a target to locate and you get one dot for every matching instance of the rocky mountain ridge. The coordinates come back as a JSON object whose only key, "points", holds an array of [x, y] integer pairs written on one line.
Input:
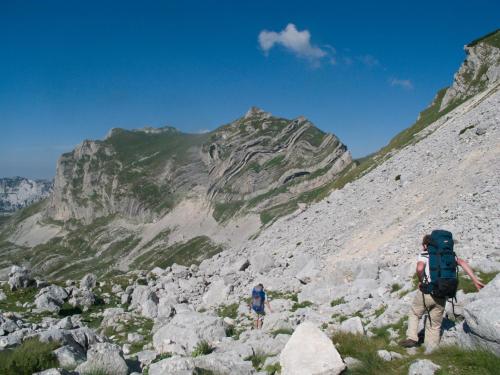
{"points": [[145, 173], [20, 192]]}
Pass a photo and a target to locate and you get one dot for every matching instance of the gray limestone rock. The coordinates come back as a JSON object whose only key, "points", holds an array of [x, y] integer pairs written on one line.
{"points": [[310, 351], [186, 330], [423, 367], [353, 325], [20, 277], [70, 356], [106, 358]]}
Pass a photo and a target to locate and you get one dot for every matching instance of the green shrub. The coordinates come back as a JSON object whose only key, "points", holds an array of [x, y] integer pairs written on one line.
{"points": [[230, 311], [395, 287], [273, 369], [202, 348], [338, 301], [31, 356], [257, 358], [300, 305], [466, 284]]}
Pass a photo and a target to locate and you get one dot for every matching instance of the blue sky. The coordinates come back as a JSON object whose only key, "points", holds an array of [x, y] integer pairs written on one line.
{"points": [[362, 69]]}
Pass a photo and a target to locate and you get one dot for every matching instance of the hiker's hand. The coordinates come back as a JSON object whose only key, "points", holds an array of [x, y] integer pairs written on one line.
{"points": [[479, 285], [419, 285]]}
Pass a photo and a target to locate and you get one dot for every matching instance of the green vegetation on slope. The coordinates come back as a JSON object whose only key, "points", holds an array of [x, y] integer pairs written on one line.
{"points": [[30, 357], [493, 39], [453, 360], [187, 253]]}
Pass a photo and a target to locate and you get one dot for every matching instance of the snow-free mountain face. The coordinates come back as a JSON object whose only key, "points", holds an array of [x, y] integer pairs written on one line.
{"points": [[19, 192], [158, 196]]}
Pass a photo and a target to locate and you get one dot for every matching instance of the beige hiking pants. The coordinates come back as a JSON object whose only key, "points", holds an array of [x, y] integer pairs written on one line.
{"points": [[432, 327]]}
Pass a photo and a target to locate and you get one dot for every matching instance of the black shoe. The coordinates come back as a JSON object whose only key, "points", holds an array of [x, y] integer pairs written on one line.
{"points": [[408, 343]]}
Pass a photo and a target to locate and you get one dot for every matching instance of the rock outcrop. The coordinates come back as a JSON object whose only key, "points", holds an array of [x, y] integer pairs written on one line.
{"points": [[480, 70], [20, 192]]}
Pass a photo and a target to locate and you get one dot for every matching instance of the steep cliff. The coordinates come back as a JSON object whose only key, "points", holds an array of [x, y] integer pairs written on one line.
{"points": [[480, 70]]}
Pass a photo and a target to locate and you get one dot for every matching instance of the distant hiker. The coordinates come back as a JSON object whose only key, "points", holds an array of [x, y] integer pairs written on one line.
{"points": [[437, 275], [257, 305]]}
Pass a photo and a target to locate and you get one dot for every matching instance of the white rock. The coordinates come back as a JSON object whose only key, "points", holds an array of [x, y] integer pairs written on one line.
{"points": [[104, 357], [310, 352], [423, 367], [353, 325]]}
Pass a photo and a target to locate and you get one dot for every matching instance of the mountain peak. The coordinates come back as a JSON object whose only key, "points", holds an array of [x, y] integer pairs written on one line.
{"points": [[256, 112]]}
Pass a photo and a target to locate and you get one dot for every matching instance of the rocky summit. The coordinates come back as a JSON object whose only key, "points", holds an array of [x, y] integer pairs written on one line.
{"points": [[144, 256]]}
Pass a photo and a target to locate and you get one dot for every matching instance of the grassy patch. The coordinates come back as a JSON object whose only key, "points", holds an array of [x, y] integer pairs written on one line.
{"points": [[32, 356], [225, 211], [257, 358], [202, 348], [300, 305], [230, 311], [15, 299], [453, 360], [467, 286], [338, 301], [187, 253], [282, 295], [395, 287], [273, 369]]}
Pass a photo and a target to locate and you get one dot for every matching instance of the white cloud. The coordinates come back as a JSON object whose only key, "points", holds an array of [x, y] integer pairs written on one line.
{"points": [[403, 83], [298, 42]]}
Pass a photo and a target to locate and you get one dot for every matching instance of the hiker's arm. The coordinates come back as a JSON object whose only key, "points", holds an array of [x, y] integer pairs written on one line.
{"points": [[268, 306], [468, 270], [420, 271]]}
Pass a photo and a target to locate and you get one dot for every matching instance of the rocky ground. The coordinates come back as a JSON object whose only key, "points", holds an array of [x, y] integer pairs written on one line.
{"points": [[338, 276]]}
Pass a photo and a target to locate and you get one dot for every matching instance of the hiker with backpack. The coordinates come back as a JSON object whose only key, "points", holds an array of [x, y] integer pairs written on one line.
{"points": [[437, 269], [257, 305]]}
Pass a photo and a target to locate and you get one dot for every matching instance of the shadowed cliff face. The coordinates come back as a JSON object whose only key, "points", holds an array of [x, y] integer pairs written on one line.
{"points": [[142, 174]]}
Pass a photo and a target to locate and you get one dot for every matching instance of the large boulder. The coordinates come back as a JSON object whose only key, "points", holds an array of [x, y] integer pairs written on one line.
{"points": [[186, 330], [82, 298], [228, 363], [310, 352], [145, 300], [104, 358], [20, 277], [51, 298], [173, 366], [482, 318], [217, 294], [70, 356]]}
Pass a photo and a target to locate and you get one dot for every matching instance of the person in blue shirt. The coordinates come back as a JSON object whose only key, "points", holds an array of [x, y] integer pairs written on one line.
{"points": [[259, 301]]}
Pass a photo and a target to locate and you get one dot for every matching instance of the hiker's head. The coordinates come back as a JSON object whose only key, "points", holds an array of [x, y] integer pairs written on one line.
{"points": [[426, 241], [259, 287]]}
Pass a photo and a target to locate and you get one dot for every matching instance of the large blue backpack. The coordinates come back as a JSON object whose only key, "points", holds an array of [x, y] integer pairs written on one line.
{"points": [[443, 281], [258, 298]]}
